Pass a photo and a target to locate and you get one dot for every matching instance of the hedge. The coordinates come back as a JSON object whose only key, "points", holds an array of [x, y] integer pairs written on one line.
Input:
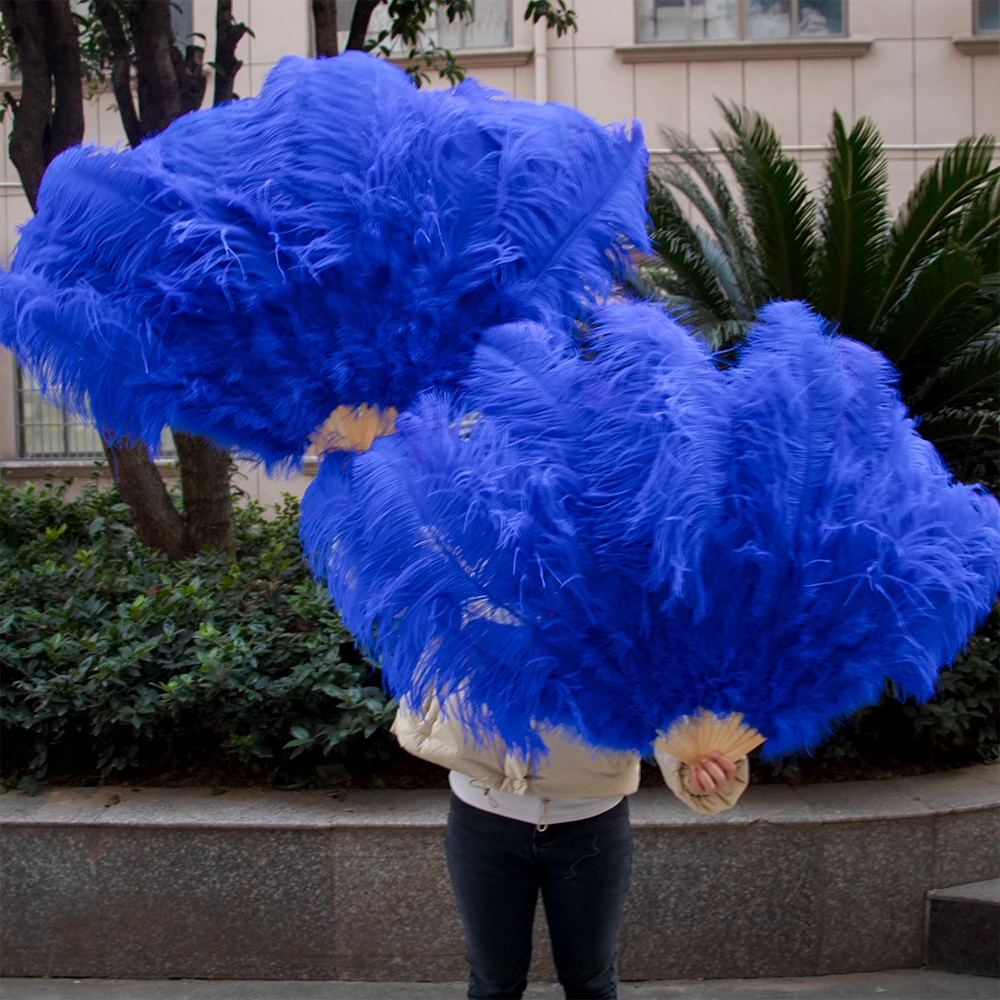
{"points": [[115, 659]]}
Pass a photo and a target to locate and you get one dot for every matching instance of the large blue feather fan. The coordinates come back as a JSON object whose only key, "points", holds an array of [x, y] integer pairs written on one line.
{"points": [[607, 542], [845, 555], [342, 238]]}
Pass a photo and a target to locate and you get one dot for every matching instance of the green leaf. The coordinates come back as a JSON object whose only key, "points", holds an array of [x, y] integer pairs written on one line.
{"points": [[925, 223], [776, 200], [979, 227], [933, 294], [703, 185], [854, 223], [955, 423], [974, 369], [679, 246]]}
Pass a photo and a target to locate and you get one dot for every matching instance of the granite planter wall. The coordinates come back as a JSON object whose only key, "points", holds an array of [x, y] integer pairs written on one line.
{"points": [[119, 883]]}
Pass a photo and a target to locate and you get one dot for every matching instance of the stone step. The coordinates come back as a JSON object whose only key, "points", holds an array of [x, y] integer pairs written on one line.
{"points": [[963, 928]]}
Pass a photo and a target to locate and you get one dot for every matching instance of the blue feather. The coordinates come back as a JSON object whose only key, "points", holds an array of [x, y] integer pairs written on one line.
{"points": [[630, 534], [452, 557], [847, 556], [342, 238]]}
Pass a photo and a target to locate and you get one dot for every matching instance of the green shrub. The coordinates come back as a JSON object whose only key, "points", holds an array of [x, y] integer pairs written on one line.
{"points": [[964, 717], [960, 726], [114, 658]]}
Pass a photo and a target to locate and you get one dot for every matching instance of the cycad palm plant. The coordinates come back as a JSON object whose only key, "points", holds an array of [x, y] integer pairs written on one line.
{"points": [[923, 288]]}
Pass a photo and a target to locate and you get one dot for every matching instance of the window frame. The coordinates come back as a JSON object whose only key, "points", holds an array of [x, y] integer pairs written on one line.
{"points": [[66, 422], [22, 390], [742, 21]]}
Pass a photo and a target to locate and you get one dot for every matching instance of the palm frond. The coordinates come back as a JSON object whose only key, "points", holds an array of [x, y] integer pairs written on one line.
{"points": [[718, 334], [979, 229], [722, 267], [704, 185], [931, 315], [854, 223], [645, 279], [972, 371], [681, 248], [956, 423], [776, 198], [927, 220]]}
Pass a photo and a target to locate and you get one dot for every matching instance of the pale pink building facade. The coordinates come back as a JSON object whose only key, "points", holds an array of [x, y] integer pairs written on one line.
{"points": [[927, 72]]}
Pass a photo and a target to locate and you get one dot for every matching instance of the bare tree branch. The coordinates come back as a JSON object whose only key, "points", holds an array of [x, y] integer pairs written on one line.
{"points": [[228, 34], [189, 70], [121, 69], [363, 10], [325, 26]]}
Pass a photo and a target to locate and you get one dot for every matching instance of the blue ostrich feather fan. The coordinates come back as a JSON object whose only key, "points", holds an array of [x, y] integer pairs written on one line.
{"points": [[847, 556], [615, 539], [342, 238]]}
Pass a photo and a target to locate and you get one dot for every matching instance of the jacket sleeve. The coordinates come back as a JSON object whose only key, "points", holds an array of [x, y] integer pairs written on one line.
{"points": [[675, 775]]}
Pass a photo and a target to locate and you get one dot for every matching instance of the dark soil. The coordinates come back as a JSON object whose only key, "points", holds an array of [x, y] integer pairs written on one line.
{"points": [[380, 763]]}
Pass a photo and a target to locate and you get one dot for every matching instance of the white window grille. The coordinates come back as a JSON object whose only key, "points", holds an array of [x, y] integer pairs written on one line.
{"points": [[730, 20], [47, 430]]}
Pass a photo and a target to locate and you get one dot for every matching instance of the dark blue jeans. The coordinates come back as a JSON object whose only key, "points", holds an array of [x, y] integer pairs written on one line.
{"points": [[583, 869]]}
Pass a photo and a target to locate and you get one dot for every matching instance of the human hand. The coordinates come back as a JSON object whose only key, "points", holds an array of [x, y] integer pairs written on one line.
{"points": [[714, 773]]}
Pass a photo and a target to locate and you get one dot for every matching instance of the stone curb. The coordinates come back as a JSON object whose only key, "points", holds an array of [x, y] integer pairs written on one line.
{"points": [[164, 883]]}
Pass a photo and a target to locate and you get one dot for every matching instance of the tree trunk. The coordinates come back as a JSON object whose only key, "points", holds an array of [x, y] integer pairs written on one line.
{"points": [[154, 516], [64, 62], [208, 507], [325, 26], [159, 93], [26, 22], [47, 41], [363, 10], [170, 85], [121, 68]]}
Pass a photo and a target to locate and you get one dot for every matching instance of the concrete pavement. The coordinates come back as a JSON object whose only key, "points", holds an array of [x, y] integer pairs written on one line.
{"points": [[906, 984]]}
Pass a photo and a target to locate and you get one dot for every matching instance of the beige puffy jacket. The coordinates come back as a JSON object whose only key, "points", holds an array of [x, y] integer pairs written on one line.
{"points": [[572, 770]]}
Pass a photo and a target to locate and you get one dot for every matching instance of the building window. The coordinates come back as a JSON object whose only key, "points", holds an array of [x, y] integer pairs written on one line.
{"points": [[488, 27], [730, 20], [45, 430], [986, 17]]}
